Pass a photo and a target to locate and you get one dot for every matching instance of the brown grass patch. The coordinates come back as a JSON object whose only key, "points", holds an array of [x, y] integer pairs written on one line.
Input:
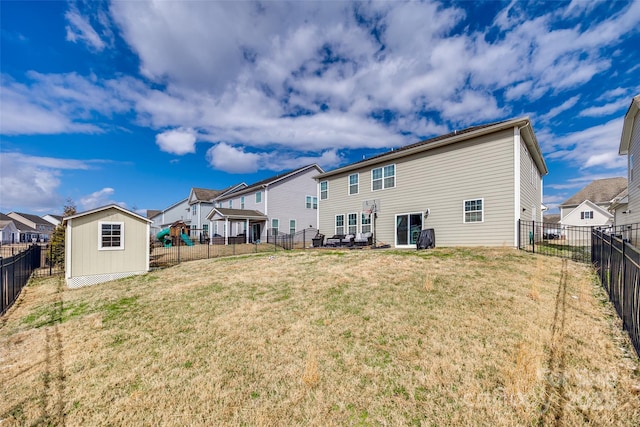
{"points": [[439, 337]]}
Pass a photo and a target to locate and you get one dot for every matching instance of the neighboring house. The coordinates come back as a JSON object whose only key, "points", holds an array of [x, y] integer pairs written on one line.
{"points": [[164, 218], [200, 204], [630, 147], [620, 208], [103, 244], [53, 219], [283, 204], [470, 186], [9, 233], [26, 234], [590, 206], [43, 227]]}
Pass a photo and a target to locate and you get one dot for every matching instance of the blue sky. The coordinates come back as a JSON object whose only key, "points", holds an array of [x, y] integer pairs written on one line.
{"points": [[136, 102]]}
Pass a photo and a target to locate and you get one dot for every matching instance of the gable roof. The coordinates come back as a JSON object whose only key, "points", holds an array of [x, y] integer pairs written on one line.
{"points": [[153, 212], [104, 208], [627, 125], [598, 191], [451, 138], [551, 218], [33, 218], [22, 227], [270, 181], [203, 195], [591, 205]]}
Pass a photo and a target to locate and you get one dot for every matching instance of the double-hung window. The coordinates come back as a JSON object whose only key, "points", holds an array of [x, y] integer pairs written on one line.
{"points": [[474, 210], [259, 197], [340, 224], [384, 177], [324, 190], [352, 221], [353, 183], [230, 204], [292, 226], [365, 223], [275, 224], [111, 235], [242, 202]]}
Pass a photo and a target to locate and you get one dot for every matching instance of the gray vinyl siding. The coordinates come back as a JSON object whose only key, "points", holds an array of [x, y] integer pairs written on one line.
{"points": [[439, 179], [634, 185], [87, 260], [286, 200], [530, 194], [178, 212]]}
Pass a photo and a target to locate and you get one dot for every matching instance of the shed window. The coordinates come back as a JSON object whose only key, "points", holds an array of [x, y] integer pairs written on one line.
{"points": [[111, 235], [473, 210]]}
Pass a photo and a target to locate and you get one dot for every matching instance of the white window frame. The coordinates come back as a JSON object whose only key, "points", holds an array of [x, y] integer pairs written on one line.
{"points": [[464, 211], [308, 202], [276, 229], [110, 248], [242, 202], [230, 203], [586, 215], [336, 224], [395, 228], [383, 177], [258, 196], [356, 184], [324, 194], [292, 222], [352, 228], [365, 221]]}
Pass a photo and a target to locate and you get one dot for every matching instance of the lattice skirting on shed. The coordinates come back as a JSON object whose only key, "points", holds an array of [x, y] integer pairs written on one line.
{"points": [[81, 281]]}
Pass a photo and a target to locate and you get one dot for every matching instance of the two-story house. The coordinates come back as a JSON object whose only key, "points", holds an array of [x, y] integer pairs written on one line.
{"points": [[630, 147], [470, 186], [590, 207], [165, 217], [285, 203], [43, 228]]}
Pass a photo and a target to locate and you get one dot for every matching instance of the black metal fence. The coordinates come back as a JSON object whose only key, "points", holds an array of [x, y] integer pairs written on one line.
{"points": [[556, 240], [217, 246], [14, 274], [617, 263]]}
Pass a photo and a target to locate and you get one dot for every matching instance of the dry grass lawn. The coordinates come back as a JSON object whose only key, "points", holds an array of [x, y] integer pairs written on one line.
{"points": [[488, 337]]}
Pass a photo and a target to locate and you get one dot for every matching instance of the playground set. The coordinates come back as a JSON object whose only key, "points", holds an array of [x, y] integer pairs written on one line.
{"points": [[175, 235]]}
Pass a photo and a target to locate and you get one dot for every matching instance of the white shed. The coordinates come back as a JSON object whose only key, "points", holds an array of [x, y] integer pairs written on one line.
{"points": [[104, 244]]}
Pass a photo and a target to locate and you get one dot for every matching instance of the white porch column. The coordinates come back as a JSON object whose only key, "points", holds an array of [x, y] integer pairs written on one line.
{"points": [[226, 231], [246, 231]]}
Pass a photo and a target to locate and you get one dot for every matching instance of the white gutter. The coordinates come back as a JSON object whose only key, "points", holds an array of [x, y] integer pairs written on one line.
{"points": [[516, 182]]}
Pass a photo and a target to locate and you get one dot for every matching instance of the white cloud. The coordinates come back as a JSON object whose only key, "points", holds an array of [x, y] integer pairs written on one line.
{"points": [[97, 199], [177, 141], [32, 183], [230, 159], [605, 110], [568, 104], [79, 29], [594, 146]]}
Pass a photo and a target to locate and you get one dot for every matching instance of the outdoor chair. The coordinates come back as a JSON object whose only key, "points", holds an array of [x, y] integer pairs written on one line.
{"points": [[363, 239]]}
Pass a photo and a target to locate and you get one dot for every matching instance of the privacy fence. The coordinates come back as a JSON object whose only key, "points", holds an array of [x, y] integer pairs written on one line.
{"points": [[14, 274], [612, 252]]}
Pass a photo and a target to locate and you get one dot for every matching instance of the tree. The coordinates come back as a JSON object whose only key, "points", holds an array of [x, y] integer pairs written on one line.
{"points": [[56, 251]]}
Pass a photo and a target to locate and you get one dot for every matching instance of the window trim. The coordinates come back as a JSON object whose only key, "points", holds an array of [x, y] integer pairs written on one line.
{"points": [[349, 224], [395, 228], [335, 224], [277, 229], [258, 197], [363, 224], [110, 248], [583, 214], [295, 226], [350, 185], [464, 211], [242, 202], [324, 194], [383, 177]]}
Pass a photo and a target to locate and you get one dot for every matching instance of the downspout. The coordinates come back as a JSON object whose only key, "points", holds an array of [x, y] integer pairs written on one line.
{"points": [[67, 250], [317, 210], [148, 245]]}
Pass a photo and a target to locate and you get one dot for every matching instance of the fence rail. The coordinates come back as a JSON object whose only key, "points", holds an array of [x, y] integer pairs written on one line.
{"points": [[617, 264], [14, 274], [553, 239]]}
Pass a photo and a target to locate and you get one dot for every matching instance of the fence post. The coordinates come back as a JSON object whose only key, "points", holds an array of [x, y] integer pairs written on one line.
{"points": [[518, 239], [533, 236]]}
